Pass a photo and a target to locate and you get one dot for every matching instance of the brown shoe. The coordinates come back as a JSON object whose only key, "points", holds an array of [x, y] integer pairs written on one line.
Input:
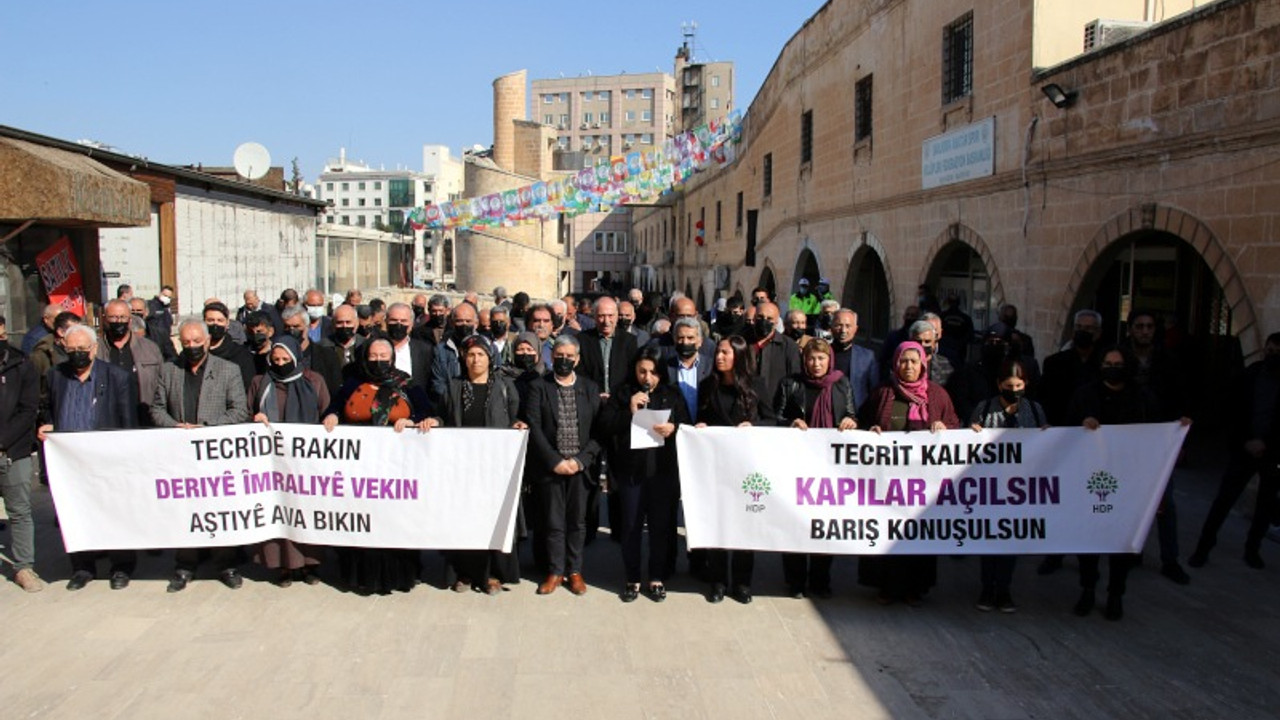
{"points": [[28, 580], [493, 587], [577, 585], [549, 585]]}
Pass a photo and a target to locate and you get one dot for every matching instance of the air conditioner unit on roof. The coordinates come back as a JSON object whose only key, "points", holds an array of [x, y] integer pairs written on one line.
{"points": [[1100, 33]]}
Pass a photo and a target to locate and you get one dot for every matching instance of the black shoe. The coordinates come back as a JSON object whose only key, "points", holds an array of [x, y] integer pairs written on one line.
{"points": [[1115, 608], [657, 592], [1198, 559], [987, 600], [717, 593], [1254, 560], [1084, 605], [1049, 565], [742, 594], [231, 578], [119, 580], [630, 592], [179, 581], [1174, 572], [79, 579], [1004, 602]]}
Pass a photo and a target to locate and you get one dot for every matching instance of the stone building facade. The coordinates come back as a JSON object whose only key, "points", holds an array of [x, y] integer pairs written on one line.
{"points": [[900, 143]]}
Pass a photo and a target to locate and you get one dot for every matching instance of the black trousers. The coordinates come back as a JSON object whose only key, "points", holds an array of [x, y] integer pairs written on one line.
{"points": [[655, 500], [121, 560], [561, 502], [807, 571], [1118, 571], [222, 558], [1240, 470], [718, 564], [997, 571]]}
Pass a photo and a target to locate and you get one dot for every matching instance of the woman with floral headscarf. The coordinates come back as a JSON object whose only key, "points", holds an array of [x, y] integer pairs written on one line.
{"points": [[908, 403]]}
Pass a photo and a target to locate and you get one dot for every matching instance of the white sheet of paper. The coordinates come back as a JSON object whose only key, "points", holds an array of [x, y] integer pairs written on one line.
{"points": [[642, 434]]}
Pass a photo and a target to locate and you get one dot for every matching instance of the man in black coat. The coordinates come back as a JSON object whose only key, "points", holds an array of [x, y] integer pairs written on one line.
{"points": [[90, 394], [1254, 441], [19, 398], [777, 355], [606, 360], [160, 321], [561, 410], [319, 358], [217, 319]]}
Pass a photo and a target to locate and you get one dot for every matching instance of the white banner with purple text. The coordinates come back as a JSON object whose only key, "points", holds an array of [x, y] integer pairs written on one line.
{"points": [[1060, 490], [446, 489]]}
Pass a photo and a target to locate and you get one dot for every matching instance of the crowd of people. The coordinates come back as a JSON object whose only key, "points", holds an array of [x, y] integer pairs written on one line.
{"points": [[573, 373]]}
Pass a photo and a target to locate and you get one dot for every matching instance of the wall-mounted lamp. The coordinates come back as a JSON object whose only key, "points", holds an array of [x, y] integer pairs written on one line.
{"points": [[1059, 97]]}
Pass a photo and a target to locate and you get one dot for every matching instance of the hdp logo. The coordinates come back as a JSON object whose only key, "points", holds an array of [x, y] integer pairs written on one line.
{"points": [[757, 486], [1102, 484]]}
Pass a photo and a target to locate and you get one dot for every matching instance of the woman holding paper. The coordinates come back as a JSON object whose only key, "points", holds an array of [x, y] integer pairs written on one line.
{"points": [[818, 397], [1008, 408], [648, 479], [481, 398], [379, 395], [731, 397], [287, 392], [908, 403]]}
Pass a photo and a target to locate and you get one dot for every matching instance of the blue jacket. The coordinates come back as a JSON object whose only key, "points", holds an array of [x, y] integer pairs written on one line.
{"points": [[115, 391], [863, 373]]}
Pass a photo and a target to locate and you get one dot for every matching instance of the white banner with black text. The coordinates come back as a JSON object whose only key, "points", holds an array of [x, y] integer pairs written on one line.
{"points": [[1059, 490], [446, 489]]}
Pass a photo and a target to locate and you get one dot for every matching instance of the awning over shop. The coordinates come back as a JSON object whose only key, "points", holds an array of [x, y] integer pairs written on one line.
{"points": [[57, 187]]}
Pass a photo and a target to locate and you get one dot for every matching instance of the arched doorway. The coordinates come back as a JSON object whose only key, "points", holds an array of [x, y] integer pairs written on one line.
{"points": [[806, 267], [866, 292], [1157, 271], [958, 270], [768, 282]]}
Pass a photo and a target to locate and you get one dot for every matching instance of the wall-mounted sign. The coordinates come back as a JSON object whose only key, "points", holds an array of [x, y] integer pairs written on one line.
{"points": [[962, 154]]}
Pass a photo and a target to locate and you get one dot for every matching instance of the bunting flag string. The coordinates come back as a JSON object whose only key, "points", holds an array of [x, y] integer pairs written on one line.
{"points": [[636, 177]]}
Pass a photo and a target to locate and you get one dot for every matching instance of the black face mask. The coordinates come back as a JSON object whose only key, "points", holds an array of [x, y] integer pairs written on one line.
{"points": [[1113, 375], [460, 333], [79, 359], [795, 333], [497, 329], [824, 322], [397, 332], [930, 350], [257, 340], [343, 335], [418, 312], [380, 369], [557, 320], [435, 321], [281, 372], [686, 350], [296, 334], [562, 367], [762, 326], [217, 333], [526, 362], [193, 355], [1082, 339], [1011, 396], [117, 330]]}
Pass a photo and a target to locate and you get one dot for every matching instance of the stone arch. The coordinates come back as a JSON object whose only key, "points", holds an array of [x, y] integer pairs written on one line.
{"points": [[958, 232], [874, 323], [1190, 230], [768, 279]]}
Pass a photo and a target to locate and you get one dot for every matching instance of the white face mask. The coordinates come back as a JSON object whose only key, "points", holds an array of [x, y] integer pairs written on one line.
{"points": [[315, 312], [165, 300]]}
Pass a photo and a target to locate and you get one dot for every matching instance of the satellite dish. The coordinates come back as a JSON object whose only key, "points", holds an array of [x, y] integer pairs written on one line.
{"points": [[251, 160]]}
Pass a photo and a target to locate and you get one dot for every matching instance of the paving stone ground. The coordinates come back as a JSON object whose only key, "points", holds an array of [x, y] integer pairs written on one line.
{"points": [[1208, 650]]}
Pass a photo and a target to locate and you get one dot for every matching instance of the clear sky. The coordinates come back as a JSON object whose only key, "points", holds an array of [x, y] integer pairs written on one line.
{"points": [[184, 82]]}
